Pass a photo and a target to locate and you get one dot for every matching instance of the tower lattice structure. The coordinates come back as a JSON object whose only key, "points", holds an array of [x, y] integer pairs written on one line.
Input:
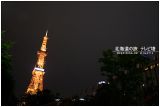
{"points": [[36, 83]]}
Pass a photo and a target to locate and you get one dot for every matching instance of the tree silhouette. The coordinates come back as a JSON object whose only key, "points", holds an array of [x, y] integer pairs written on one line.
{"points": [[8, 97], [125, 74], [40, 98]]}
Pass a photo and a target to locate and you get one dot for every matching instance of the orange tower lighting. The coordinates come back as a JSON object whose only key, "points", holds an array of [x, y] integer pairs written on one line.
{"points": [[36, 83]]}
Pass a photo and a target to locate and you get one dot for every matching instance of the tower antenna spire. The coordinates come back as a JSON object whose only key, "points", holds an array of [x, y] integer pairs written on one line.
{"points": [[46, 32]]}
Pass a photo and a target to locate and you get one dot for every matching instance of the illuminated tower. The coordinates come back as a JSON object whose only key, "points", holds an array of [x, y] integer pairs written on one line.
{"points": [[36, 82]]}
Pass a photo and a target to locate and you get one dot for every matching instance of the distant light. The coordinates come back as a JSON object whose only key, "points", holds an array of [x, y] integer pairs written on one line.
{"points": [[146, 69], [73, 99], [101, 82], [143, 85], [57, 99], [39, 69], [151, 67], [108, 82], [24, 103], [81, 99]]}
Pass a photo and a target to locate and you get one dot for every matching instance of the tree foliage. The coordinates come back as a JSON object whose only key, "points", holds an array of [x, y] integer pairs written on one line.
{"points": [[7, 91], [125, 74]]}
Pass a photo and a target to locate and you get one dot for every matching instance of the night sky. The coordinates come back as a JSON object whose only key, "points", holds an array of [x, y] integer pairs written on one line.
{"points": [[78, 33]]}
